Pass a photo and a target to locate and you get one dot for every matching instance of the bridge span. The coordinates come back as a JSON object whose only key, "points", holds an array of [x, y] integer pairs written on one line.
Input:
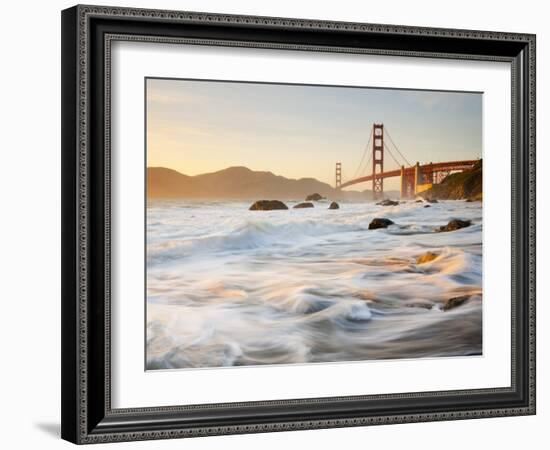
{"points": [[414, 178]]}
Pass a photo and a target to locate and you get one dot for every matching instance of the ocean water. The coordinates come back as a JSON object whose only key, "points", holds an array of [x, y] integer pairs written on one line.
{"points": [[230, 287]]}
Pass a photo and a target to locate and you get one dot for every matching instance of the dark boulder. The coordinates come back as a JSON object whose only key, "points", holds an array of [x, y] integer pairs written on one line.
{"points": [[427, 206], [314, 197], [334, 205], [387, 202], [420, 304], [455, 224], [267, 205], [419, 201], [455, 301], [380, 223], [303, 205]]}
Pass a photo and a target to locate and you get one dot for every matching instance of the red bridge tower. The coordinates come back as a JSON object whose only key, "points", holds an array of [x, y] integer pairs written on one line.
{"points": [[377, 160], [338, 182]]}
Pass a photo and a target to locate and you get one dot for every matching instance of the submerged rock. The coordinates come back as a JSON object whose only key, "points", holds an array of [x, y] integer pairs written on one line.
{"points": [[455, 301], [420, 304], [455, 224], [427, 206], [334, 205], [267, 205], [387, 202], [303, 205], [426, 257], [380, 223], [314, 197]]}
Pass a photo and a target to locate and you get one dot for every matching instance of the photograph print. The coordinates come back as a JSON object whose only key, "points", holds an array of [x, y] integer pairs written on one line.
{"points": [[299, 224]]}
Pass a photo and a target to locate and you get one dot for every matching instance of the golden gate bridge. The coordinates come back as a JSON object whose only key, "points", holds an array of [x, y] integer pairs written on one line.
{"points": [[414, 178]]}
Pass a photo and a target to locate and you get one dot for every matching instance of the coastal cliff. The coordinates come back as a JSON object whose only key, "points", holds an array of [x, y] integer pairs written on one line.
{"points": [[465, 185]]}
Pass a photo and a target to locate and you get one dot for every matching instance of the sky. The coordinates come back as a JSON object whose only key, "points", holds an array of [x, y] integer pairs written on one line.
{"points": [[300, 131]]}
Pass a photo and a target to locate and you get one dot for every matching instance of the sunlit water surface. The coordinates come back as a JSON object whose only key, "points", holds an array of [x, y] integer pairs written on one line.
{"points": [[228, 287]]}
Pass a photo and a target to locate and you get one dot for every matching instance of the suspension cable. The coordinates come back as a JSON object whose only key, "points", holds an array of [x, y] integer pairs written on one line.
{"points": [[358, 171], [396, 148], [368, 161], [361, 172], [391, 154], [344, 179]]}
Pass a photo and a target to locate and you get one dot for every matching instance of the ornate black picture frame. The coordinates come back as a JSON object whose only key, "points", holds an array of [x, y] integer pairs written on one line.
{"points": [[87, 34]]}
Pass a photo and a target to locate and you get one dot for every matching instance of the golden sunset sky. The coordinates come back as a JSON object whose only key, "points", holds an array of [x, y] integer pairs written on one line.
{"points": [[302, 131]]}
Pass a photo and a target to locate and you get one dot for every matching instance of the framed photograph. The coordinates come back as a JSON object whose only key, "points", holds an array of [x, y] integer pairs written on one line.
{"points": [[278, 224]]}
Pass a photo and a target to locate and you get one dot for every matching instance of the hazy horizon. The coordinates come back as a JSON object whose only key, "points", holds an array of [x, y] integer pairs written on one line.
{"points": [[301, 131], [358, 187], [241, 183]]}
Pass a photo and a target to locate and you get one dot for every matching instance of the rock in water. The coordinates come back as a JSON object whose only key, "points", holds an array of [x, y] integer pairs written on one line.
{"points": [[387, 202], [419, 201], [426, 257], [267, 205], [427, 206], [334, 205], [455, 224], [455, 301], [380, 223], [432, 200], [420, 304], [314, 197], [303, 205]]}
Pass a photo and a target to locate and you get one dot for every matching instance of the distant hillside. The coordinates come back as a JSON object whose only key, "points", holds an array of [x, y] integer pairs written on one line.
{"points": [[238, 183], [461, 185]]}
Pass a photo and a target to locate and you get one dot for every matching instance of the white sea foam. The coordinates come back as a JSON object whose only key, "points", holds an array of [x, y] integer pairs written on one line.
{"points": [[228, 286]]}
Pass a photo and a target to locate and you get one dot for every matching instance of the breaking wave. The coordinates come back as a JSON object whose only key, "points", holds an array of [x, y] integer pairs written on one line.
{"points": [[227, 286]]}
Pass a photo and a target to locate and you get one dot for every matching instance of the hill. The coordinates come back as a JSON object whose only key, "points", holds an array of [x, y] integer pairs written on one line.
{"points": [[239, 183], [457, 186]]}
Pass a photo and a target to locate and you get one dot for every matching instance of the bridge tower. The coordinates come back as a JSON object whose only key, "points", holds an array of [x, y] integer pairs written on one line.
{"points": [[377, 160], [338, 182], [407, 183]]}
